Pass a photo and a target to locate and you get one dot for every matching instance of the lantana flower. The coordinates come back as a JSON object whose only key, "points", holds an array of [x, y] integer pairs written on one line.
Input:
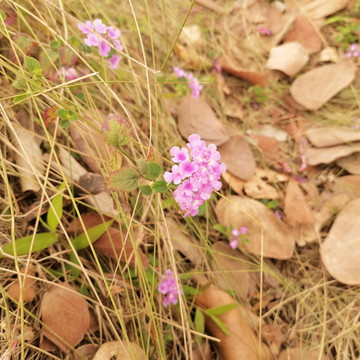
{"points": [[193, 82], [101, 36], [235, 237], [167, 286], [353, 51], [197, 174]]}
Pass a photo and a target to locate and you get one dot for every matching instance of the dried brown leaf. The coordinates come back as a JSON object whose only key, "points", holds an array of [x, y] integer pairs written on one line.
{"points": [[65, 315], [340, 251], [85, 352], [314, 88], [277, 240], [257, 188], [29, 287], [241, 339], [305, 33], [350, 163], [296, 210], [119, 350], [195, 116], [330, 136], [202, 352], [230, 269], [238, 157], [234, 182], [290, 58], [326, 155], [301, 354]]}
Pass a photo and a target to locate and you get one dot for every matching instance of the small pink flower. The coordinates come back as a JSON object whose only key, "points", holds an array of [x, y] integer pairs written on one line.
{"points": [[193, 82], [86, 28], [68, 73], [263, 31], [113, 33], [114, 61], [352, 52], [91, 40], [100, 28], [178, 154], [167, 286], [118, 45], [104, 48]]}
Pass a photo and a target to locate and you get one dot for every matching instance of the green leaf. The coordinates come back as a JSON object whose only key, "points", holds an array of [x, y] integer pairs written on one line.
{"points": [[32, 64], [19, 83], [62, 114], [145, 190], [20, 97], [160, 186], [2, 15], [92, 234], [221, 229], [56, 210], [27, 244], [154, 170], [142, 166], [124, 180], [75, 271], [202, 209], [118, 135], [199, 321], [220, 324], [222, 309]]}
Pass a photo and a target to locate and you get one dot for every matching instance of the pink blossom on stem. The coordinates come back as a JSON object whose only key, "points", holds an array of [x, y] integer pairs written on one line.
{"points": [[68, 73], [100, 28], [193, 82], [86, 28], [167, 286], [235, 237], [352, 52], [114, 61], [197, 174], [104, 48]]}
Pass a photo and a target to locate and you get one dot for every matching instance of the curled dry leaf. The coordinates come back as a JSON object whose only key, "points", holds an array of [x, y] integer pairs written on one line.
{"points": [[326, 155], [305, 33], [330, 136], [85, 352], [241, 339], [29, 287], [350, 163], [301, 354], [195, 116], [314, 88], [119, 350], [27, 156], [290, 58], [65, 315], [340, 251], [183, 243], [278, 240], [234, 182], [230, 269], [238, 157], [296, 210], [258, 188]]}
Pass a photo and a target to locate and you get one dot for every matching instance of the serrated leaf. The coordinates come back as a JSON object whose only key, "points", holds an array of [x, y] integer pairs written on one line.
{"points": [[160, 186], [154, 170], [124, 180], [145, 190], [32, 64], [222, 309], [27, 244], [118, 135], [56, 210], [83, 240], [199, 321], [142, 166], [19, 83]]}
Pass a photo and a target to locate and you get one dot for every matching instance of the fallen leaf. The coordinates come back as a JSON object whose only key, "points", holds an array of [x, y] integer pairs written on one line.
{"points": [[230, 269], [195, 116], [329, 54], [349, 184], [326, 155], [191, 35], [234, 182], [28, 288], [65, 316], [184, 243], [27, 157], [272, 335], [229, 65], [92, 183], [84, 352], [314, 88], [301, 354], [241, 339], [119, 350], [269, 147], [191, 57], [202, 352], [238, 157], [50, 115], [266, 233], [340, 251], [305, 33], [272, 131], [330, 136], [350, 163], [290, 58], [296, 210]]}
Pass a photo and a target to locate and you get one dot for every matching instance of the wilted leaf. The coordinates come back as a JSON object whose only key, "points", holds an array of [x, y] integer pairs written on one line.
{"points": [[326, 155], [119, 350], [340, 251], [238, 157], [301, 354], [278, 240], [27, 158], [350, 163], [50, 115], [92, 183], [314, 88], [330, 136], [229, 269], [29, 287], [195, 116], [290, 58], [65, 315], [257, 188], [29, 244], [241, 339], [305, 33], [295, 208]]}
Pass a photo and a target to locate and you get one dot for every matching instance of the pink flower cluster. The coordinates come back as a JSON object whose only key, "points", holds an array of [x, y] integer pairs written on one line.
{"points": [[193, 82], [353, 51], [197, 177], [167, 286], [100, 35], [236, 236]]}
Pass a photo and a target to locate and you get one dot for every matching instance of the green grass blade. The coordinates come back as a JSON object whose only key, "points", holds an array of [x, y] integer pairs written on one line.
{"points": [[55, 211]]}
